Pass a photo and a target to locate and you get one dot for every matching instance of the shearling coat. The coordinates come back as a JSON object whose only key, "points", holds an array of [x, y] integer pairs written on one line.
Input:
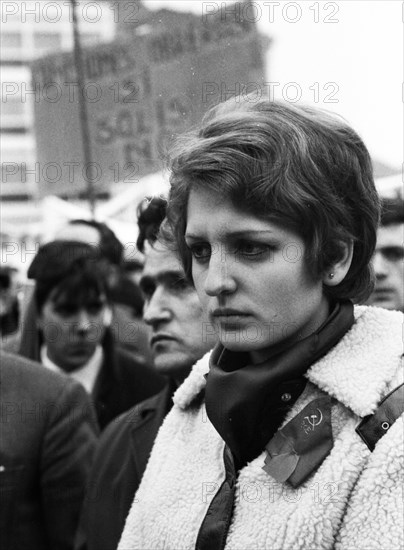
{"points": [[353, 500]]}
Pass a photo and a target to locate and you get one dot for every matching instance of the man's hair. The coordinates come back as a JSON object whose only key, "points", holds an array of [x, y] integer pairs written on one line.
{"points": [[110, 247], [392, 211], [74, 268], [150, 214], [300, 167]]}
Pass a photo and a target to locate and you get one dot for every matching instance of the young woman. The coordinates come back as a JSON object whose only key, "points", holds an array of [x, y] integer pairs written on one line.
{"points": [[284, 443]]}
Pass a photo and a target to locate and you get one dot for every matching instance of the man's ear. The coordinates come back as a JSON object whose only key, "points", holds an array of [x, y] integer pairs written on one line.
{"points": [[339, 269], [39, 322], [107, 319]]}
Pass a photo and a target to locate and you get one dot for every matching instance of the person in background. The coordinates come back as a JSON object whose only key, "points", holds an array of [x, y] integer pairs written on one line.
{"points": [[275, 214], [71, 329], [48, 436], [130, 332], [9, 305], [100, 236], [178, 341], [388, 260], [94, 233]]}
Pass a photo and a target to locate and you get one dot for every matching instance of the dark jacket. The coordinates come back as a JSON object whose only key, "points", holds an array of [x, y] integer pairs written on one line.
{"points": [[120, 461], [48, 436], [122, 381]]}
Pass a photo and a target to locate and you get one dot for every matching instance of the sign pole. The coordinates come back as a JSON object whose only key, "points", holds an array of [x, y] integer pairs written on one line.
{"points": [[85, 130]]}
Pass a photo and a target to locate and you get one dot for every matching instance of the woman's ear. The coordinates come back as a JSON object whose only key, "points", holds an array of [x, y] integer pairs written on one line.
{"points": [[338, 270]]}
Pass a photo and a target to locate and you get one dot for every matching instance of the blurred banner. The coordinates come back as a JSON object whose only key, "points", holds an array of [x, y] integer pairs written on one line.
{"points": [[141, 91]]}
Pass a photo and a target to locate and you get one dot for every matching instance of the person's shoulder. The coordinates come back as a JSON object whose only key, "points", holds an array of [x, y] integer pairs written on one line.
{"points": [[120, 426], [384, 323], [135, 368], [365, 364], [127, 360], [378, 314], [30, 380], [28, 372]]}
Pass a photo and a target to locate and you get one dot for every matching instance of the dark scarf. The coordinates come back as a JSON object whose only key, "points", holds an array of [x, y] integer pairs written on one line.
{"points": [[243, 400]]}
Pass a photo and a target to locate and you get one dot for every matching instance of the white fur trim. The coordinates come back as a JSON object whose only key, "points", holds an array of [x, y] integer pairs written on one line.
{"points": [[193, 384]]}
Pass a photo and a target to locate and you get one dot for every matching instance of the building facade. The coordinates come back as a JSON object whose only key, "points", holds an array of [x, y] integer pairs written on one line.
{"points": [[30, 30]]}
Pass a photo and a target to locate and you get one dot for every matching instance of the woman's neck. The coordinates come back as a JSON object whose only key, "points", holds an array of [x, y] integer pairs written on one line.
{"points": [[313, 325]]}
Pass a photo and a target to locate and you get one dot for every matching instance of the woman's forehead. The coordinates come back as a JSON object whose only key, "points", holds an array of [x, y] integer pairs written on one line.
{"points": [[209, 212]]}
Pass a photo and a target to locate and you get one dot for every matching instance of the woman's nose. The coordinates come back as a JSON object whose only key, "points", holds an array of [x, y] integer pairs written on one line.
{"points": [[219, 279]]}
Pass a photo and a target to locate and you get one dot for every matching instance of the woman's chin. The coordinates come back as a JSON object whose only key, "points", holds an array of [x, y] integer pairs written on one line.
{"points": [[233, 344]]}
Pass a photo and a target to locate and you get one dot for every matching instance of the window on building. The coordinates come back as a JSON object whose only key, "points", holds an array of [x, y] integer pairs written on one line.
{"points": [[13, 113], [11, 40], [12, 106], [44, 41], [18, 167], [90, 38]]}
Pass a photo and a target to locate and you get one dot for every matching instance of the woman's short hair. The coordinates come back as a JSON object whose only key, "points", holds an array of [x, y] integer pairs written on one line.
{"points": [[300, 167]]}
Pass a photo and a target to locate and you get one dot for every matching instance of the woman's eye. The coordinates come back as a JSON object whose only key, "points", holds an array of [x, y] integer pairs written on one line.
{"points": [[201, 252], [250, 249]]}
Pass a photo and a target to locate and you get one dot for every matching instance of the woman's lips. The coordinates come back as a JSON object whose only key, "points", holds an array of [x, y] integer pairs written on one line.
{"points": [[229, 316]]}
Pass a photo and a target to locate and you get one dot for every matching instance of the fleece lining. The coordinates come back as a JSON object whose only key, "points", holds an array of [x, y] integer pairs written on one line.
{"points": [[354, 500]]}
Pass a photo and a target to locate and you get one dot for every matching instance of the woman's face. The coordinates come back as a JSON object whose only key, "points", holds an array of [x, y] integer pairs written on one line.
{"points": [[251, 277]]}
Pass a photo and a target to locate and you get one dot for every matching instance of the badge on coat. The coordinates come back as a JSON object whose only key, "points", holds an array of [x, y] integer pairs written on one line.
{"points": [[301, 445]]}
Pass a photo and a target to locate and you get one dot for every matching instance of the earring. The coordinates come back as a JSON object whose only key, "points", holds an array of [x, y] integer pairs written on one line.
{"points": [[331, 275]]}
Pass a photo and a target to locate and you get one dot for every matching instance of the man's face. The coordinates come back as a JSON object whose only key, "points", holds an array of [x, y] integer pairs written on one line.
{"points": [[72, 332], [388, 263], [179, 335]]}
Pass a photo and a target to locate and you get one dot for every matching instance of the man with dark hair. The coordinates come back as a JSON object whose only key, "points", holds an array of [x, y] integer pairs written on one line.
{"points": [[175, 317], [70, 331], [150, 213], [127, 325], [388, 260], [96, 233], [9, 306]]}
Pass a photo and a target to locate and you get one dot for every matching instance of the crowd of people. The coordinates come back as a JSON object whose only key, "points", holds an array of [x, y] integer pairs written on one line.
{"points": [[257, 399]]}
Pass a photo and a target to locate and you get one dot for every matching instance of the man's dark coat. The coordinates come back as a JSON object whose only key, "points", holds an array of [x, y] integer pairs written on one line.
{"points": [[119, 464], [48, 436]]}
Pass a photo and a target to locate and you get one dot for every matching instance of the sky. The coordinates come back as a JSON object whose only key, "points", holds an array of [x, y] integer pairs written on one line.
{"points": [[345, 56]]}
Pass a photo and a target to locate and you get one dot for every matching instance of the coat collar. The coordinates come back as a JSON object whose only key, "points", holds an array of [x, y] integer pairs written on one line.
{"points": [[356, 371], [156, 407]]}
